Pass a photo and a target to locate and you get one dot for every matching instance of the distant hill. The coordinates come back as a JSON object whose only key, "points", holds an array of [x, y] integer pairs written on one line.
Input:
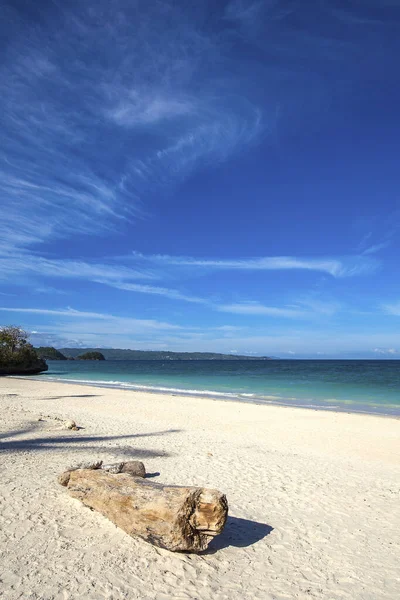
{"points": [[120, 354]]}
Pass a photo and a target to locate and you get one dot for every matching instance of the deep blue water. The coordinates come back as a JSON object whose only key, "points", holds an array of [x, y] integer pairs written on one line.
{"points": [[353, 385]]}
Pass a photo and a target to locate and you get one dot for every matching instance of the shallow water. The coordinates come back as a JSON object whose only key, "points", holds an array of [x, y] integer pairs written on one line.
{"points": [[351, 385]]}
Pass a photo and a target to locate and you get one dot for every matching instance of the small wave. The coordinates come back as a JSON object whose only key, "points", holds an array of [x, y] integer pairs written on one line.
{"points": [[116, 384], [143, 387], [254, 398]]}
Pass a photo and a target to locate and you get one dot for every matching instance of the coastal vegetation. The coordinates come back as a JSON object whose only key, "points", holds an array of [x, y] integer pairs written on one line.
{"points": [[17, 356], [124, 354]]}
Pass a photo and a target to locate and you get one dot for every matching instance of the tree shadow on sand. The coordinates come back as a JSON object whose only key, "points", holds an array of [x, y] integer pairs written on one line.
{"points": [[239, 533], [80, 443]]}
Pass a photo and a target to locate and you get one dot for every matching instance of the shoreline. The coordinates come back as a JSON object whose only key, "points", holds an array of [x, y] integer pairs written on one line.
{"points": [[348, 407], [312, 494], [152, 404]]}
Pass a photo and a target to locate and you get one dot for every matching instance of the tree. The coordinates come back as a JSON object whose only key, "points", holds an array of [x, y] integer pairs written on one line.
{"points": [[17, 356], [12, 338]]}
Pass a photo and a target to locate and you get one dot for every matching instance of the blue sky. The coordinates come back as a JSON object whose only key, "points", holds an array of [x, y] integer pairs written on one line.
{"points": [[193, 175]]}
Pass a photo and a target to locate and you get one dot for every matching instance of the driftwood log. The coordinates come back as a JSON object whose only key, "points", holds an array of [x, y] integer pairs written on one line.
{"points": [[133, 467], [172, 517]]}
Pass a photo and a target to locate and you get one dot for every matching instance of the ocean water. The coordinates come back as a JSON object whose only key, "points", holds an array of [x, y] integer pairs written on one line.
{"points": [[352, 385]]}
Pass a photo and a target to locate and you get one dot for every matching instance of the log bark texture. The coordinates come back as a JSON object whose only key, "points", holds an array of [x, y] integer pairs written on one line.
{"points": [[133, 467], [172, 517]]}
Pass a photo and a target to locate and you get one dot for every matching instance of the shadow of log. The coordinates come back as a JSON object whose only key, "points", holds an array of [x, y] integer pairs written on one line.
{"points": [[239, 533]]}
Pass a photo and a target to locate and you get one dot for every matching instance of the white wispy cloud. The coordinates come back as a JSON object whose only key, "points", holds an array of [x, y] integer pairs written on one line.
{"points": [[214, 135], [26, 264], [47, 289], [134, 107], [314, 304], [392, 309], [337, 267], [158, 291], [229, 329], [90, 127], [302, 308], [249, 13], [109, 321], [255, 308], [370, 242], [376, 247], [353, 15], [133, 278]]}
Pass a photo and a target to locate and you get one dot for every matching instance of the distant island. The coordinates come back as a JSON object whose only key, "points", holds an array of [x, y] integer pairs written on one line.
{"points": [[91, 355], [122, 354]]}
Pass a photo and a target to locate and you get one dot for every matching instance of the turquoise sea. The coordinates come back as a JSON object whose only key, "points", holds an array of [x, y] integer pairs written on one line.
{"points": [[350, 385]]}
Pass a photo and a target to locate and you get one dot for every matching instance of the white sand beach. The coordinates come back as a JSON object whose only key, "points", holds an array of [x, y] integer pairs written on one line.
{"points": [[313, 497]]}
